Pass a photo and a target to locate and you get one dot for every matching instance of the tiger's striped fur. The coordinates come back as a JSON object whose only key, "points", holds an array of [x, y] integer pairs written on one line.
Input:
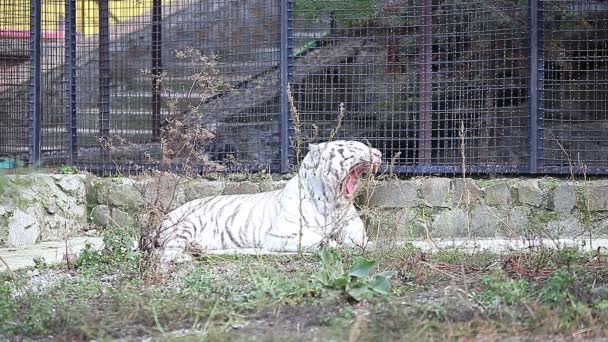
{"points": [[317, 203]]}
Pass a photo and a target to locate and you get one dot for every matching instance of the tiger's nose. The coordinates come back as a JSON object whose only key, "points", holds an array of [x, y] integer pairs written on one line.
{"points": [[377, 155]]}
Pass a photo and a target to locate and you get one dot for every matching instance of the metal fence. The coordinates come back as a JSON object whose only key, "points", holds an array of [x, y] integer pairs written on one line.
{"points": [[488, 86]]}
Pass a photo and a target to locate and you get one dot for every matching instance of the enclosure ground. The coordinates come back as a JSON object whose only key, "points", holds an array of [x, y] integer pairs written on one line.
{"points": [[448, 294]]}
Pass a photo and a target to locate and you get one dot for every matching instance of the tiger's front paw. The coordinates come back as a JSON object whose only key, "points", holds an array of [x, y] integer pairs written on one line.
{"points": [[174, 256]]}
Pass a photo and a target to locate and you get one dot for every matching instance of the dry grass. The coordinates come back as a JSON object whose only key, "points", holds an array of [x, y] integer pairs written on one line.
{"points": [[446, 295]]}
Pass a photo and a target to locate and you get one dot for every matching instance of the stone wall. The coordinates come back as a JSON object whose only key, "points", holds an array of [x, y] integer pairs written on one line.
{"points": [[38, 207], [506, 208], [41, 208]]}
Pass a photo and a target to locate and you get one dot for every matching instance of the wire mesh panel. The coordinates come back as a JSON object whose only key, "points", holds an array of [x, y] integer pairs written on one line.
{"points": [[149, 71], [576, 86], [52, 66], [438, 85], [221, 71], [15, 63], [434, 84]]}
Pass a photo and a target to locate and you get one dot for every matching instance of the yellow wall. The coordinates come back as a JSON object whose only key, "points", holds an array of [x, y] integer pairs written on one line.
{"points": [[15, 14]]}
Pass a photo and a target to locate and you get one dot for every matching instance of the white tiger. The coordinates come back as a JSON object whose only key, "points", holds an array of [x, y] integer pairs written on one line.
{"points": [[315, 207]]}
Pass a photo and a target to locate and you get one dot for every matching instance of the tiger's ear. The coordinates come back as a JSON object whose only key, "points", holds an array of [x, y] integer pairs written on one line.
{"points": [[314, 150]]}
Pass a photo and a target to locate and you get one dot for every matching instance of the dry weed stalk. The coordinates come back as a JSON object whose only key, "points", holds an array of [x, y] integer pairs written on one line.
{"points": [[297, 141], [182, 140]]}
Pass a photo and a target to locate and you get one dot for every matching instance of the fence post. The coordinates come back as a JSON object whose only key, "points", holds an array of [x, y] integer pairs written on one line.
{"points": [[70, 64], [536, 104], [36, 81], [157, 65], [426, 85], [286, 63], [104, 69]]}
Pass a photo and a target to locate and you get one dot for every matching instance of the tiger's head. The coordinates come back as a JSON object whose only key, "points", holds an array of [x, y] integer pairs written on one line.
{"points": [[333, 169]]}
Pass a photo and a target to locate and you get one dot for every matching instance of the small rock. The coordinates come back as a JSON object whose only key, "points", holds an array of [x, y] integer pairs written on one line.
{"points": [[52, 208], [23, 229], [100, 215], [2, 211], [91, 232]]}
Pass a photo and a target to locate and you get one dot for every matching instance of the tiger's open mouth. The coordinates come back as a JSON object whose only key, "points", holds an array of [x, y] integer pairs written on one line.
{"points": [[349, 185]]}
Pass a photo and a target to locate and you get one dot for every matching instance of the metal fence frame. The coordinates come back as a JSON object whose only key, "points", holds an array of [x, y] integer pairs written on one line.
{"points": [[535, 88]]}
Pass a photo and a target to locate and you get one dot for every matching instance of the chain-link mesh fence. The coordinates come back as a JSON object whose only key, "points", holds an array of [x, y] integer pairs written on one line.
{"points": [[434, 84], [575, 126], [15, 55], [500, 86]]}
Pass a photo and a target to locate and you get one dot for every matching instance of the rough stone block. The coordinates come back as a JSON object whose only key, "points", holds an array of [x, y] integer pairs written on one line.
{"points": [[56, 212], [435, 192], [23, 228], [450, 223], [519, 221], [486, 221], [100, 215], [529, 193], [394, 194], [392, 224], [120, 219], [119, 192], [164, 191], [90, 189], [498, 194], [564, 198], [245, 187], [600, 228], [565, 226], [596, 195], [465, 191], [202, 188], [272, 185], [73, 185]]}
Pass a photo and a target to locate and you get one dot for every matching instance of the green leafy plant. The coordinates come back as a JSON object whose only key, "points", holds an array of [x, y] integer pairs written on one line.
{"points": [[556, 289], [68, 170], [500, 291], [356, 281], [118, 253], [558, 292]]}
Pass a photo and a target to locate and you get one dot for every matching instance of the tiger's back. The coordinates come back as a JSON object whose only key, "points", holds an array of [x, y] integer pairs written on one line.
{"points": [[222, 222]]}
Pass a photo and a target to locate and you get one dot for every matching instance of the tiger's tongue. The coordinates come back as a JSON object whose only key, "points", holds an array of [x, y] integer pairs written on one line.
{"points": [[351, 180]]}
